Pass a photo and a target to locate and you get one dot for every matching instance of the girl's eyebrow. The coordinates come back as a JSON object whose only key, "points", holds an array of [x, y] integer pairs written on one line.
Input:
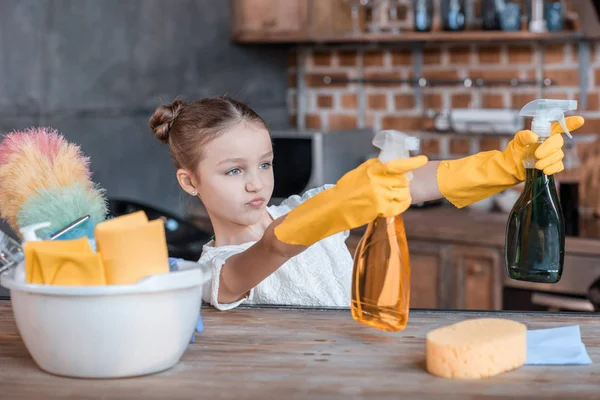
{"points": [[231, 160], [241, 160]]}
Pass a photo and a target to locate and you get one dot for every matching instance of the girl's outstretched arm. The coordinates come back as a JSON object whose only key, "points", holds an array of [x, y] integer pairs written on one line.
{"points": [[241, 272], [424, 186], [372, 189], [467, 180]]}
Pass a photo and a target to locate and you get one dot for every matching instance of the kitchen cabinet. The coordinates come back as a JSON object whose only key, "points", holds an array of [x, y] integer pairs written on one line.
{"points": [[429, 275], [264, 20], [280, 21], [457, 261], [449, 276], [477, 278]]}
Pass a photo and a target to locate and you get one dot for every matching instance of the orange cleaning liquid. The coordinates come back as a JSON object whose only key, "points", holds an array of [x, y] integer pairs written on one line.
{"points": [[381, 277]]}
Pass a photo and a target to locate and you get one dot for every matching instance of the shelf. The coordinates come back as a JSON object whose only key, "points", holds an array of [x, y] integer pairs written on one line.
{"points": [[412, 37]]}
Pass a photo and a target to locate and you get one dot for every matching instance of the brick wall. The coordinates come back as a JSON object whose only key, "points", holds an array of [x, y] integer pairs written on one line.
{"points": [[335, 106]]}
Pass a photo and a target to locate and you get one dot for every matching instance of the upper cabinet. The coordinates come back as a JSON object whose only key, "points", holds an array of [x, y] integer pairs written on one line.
{"points": [[330, 21], [289, 20], [269, 20]]}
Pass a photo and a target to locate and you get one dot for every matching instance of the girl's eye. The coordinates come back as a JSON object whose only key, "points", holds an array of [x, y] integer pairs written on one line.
{"points": [[266, 165], [234, 171]]}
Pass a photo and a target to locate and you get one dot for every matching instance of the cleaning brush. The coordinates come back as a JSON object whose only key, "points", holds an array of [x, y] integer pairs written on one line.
{"points": [[44, 178]]}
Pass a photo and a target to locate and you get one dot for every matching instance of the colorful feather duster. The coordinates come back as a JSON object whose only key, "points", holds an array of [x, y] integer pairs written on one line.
{"points": [[43, 178]]}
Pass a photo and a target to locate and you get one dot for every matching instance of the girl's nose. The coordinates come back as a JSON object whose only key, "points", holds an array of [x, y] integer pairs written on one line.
{"points": [[254, 184]]}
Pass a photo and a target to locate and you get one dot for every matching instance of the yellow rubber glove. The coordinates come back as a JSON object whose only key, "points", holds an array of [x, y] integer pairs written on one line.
{"points": [[373, 189], [470, 179]]}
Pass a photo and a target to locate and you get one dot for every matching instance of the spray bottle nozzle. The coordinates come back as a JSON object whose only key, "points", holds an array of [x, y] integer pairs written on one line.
{"points": [[394, 145], [546, 111]]}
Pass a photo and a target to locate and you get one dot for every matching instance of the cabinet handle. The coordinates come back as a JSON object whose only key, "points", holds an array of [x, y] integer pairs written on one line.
{"points": [[475, 270], [269, 24]]}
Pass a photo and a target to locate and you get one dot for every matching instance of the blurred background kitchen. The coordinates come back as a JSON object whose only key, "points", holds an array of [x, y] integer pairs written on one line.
{"points": [[325, 75]]}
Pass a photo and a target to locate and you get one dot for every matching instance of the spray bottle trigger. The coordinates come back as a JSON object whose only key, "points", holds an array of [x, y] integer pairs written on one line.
{"points": [[563, 124]]}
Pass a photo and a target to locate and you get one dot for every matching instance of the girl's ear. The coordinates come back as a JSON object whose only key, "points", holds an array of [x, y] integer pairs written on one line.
{"points": [[187, 181]]}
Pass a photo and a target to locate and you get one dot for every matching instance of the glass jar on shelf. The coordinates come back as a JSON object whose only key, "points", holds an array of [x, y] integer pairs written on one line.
{"points": [[453, 15], [422, 15]]}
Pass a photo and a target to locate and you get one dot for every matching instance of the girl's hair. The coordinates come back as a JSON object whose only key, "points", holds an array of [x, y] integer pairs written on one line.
{"points": [[186, 128]]}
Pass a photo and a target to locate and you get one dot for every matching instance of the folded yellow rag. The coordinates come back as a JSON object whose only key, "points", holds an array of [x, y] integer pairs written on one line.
{"points": [[132, 247], [63, 262]]}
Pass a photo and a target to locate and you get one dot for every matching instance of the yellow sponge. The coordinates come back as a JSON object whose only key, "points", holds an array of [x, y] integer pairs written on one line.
{"points": [[476, 348], [131, 248], [126, 221]]}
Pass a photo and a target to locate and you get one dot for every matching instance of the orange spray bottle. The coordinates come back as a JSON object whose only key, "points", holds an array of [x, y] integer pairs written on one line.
{"points": [[381, 276]]}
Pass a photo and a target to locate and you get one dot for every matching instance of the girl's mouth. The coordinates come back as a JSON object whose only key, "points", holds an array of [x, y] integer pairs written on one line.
{"points": [[256, 202]]}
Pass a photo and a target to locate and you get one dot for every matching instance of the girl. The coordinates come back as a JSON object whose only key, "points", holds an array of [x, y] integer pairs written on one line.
{"points": [[294, 253]]}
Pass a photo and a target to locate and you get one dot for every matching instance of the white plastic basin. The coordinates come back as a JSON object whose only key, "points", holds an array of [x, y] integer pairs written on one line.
{"points": [[107, 331]]}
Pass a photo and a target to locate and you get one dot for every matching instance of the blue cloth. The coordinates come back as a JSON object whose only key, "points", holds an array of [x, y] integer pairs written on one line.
{"points": [[173, 263], [199, 328], [199, 324], [556, 346]]}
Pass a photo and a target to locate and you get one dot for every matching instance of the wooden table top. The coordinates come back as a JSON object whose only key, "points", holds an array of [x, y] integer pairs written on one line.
{"points": [[269, 353]]}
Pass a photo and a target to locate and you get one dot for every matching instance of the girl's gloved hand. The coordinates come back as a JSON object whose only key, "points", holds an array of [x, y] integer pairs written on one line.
{"points": [[470, 179], [373, 189], [549, 154]]}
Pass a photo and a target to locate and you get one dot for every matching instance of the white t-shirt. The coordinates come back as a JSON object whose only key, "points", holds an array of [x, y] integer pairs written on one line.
{"points": [[319, 276]]}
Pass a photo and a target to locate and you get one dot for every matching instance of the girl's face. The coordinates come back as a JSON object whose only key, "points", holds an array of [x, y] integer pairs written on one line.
{"points": [[235, 176]]}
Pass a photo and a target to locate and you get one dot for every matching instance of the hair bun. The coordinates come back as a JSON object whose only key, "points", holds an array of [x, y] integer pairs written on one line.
{"points": [[162, 119]]}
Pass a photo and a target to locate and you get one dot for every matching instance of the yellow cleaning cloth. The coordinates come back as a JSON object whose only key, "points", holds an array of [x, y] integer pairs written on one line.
{"points": [[63, 262], [132, 248]]}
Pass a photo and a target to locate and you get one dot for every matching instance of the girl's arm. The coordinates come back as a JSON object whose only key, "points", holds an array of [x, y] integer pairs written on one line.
{"points": [[241, 272], [470, 179], [372, 189], [245, 270], [424, 186]]}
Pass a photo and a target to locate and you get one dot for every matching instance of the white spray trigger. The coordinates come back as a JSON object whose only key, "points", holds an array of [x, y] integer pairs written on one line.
{"points": [[395, 145], [563, 124]]}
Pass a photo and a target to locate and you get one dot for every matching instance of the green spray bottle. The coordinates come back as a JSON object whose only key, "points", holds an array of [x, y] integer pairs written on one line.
{"points": [[535, 233]]}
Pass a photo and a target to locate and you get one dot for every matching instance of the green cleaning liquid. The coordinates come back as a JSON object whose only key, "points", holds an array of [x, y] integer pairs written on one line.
{"points": [[535, 239], [535, 233]]}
